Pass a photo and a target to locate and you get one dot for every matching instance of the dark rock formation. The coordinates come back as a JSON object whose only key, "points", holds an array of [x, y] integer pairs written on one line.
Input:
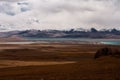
{"points": [[106, 52]]}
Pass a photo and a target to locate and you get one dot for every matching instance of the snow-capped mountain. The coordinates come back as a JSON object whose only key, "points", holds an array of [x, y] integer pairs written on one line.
{"points": [[73, 33]]}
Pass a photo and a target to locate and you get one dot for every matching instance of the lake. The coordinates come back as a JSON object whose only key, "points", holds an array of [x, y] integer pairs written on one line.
{"points": [[100, 41], [111, 42], [69, 40]]}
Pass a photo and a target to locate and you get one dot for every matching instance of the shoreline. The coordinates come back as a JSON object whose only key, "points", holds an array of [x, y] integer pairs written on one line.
{"points": [[63, 40]]}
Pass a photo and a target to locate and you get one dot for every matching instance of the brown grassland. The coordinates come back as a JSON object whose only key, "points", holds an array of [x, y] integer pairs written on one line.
{"points": [[56, 61]]}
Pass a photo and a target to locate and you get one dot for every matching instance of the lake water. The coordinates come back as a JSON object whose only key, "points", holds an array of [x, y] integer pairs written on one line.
{"points": [[70, 40], [111, 42], [100, 41]]}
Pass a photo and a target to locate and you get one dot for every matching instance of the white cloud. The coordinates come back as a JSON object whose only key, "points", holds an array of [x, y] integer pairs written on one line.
{"points": [[59, 14]]}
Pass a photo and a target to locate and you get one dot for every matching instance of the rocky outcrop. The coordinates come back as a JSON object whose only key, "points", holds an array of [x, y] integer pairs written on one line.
{"points": [[107, 52]]}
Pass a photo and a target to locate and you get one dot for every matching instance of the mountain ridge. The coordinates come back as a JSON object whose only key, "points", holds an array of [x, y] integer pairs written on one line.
{"points": [[72, 33]]}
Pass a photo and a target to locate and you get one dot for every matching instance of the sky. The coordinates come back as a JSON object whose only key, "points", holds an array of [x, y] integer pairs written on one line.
{"points": [[59, 14]]}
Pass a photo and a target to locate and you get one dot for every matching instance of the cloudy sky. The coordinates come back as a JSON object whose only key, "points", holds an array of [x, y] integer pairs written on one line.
{"points": [[59, 14]]}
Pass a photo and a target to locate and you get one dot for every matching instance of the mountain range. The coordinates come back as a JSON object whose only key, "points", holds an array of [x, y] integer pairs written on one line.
{"points": [[72, 33]]}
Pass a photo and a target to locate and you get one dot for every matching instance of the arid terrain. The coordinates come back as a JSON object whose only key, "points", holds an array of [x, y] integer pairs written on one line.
{"points": [[57, 61]]}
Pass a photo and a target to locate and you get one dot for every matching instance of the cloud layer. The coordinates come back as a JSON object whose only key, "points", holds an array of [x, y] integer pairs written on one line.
{"points": [[59, 14]]}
